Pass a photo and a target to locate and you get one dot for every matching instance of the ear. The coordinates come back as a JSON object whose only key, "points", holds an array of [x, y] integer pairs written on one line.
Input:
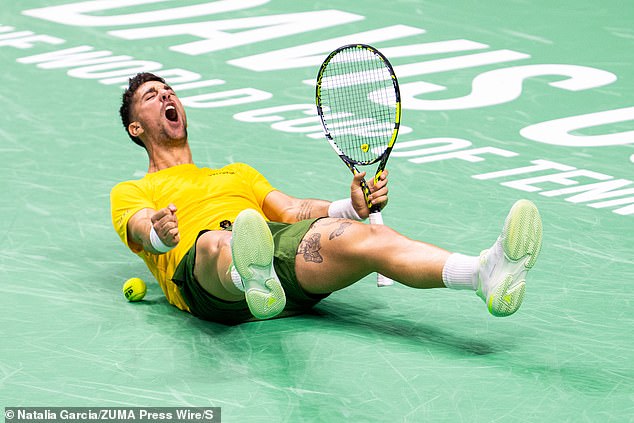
{"points": [[135, 129]]}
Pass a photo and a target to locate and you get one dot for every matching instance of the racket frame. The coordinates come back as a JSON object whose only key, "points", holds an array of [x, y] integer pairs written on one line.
{"points": [[375, 210]]}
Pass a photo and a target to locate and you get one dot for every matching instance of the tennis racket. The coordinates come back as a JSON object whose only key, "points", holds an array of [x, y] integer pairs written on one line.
{"points": [[359, 104]]}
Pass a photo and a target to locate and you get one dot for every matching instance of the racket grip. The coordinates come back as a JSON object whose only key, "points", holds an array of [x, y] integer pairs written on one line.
{"points": [[377, 219], [382, 280]]}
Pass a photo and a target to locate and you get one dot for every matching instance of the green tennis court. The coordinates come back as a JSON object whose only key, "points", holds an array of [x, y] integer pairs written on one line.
{"points": [[501, 101]]}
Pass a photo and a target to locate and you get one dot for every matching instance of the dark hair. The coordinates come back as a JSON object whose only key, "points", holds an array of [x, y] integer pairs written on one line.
{"points": [[126, 101]]}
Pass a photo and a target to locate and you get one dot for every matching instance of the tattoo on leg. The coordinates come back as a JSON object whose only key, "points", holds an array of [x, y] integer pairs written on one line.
{"points": [[310, 247], [339, 230]]}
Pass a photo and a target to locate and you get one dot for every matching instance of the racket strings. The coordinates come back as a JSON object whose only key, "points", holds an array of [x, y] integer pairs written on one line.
{"points": [[358, 93]]}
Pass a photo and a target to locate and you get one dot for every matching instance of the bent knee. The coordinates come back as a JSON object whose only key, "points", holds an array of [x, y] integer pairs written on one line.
{"points": [[213, 243], [374, 235]]}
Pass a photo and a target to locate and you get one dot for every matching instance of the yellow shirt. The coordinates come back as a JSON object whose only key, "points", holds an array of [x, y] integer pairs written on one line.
{"points": [[203, 197]]}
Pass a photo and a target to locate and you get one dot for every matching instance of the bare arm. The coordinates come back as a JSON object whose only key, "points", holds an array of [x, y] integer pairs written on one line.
{"points": [[281, 207], [164, 222]]}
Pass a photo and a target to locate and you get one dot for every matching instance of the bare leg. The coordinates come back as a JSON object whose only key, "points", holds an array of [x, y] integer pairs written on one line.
{"points": [[213, 258], [335, 253]]}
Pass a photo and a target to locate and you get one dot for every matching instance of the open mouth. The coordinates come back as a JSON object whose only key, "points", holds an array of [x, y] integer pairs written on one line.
{"points": [[171, 114]]}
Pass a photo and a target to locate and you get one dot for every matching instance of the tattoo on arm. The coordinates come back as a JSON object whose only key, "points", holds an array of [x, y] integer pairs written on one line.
{"points": [[339, 230], [310, 247], [305, 210]]}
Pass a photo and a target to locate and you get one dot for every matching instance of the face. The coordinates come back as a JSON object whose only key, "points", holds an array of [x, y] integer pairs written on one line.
{"points": [[158, 115]]}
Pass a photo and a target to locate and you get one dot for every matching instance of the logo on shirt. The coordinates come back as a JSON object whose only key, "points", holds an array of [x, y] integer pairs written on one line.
{"points": [[222, 172]]}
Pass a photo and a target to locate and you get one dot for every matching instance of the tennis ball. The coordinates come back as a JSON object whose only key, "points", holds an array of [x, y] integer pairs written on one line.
{"points": [[134, 289], [365, 147]]}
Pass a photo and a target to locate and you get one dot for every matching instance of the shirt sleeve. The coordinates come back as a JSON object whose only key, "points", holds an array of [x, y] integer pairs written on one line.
{"points": [[126, 199], [259, 184]]}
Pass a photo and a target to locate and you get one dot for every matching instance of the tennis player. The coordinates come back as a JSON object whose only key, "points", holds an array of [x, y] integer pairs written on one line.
{"points": [[226, 246]]}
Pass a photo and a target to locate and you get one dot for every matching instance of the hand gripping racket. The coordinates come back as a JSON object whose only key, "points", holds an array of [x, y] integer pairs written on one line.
{"points": [[359, 104]]}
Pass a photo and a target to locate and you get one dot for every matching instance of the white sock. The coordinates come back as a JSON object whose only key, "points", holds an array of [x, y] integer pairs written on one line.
{"points": [[461, 272], [236, 279]]}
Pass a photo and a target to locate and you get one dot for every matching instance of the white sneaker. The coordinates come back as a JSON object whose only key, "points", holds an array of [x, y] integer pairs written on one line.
{"points": [[503, 267], [252, 252]]}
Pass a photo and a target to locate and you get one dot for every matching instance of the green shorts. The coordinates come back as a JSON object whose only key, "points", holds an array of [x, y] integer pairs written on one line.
{"points": [[203, 305]]}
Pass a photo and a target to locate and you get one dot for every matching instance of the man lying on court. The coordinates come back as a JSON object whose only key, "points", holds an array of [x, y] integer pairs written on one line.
{"points": [[227, 246]]}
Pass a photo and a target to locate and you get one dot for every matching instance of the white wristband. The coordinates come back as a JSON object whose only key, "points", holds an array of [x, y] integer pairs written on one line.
{"points": [[343, 208], [156, 242]]}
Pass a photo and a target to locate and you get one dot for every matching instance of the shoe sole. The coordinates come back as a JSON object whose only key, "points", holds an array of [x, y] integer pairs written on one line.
{"points": [[252, 252], [521, 242]]}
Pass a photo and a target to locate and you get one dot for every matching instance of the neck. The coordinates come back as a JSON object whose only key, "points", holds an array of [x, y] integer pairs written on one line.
{"points": [[168, 157]]}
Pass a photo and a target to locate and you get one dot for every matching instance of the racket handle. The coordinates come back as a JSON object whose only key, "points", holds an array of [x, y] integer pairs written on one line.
{"points": [[377, 219], [382, 280]]}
